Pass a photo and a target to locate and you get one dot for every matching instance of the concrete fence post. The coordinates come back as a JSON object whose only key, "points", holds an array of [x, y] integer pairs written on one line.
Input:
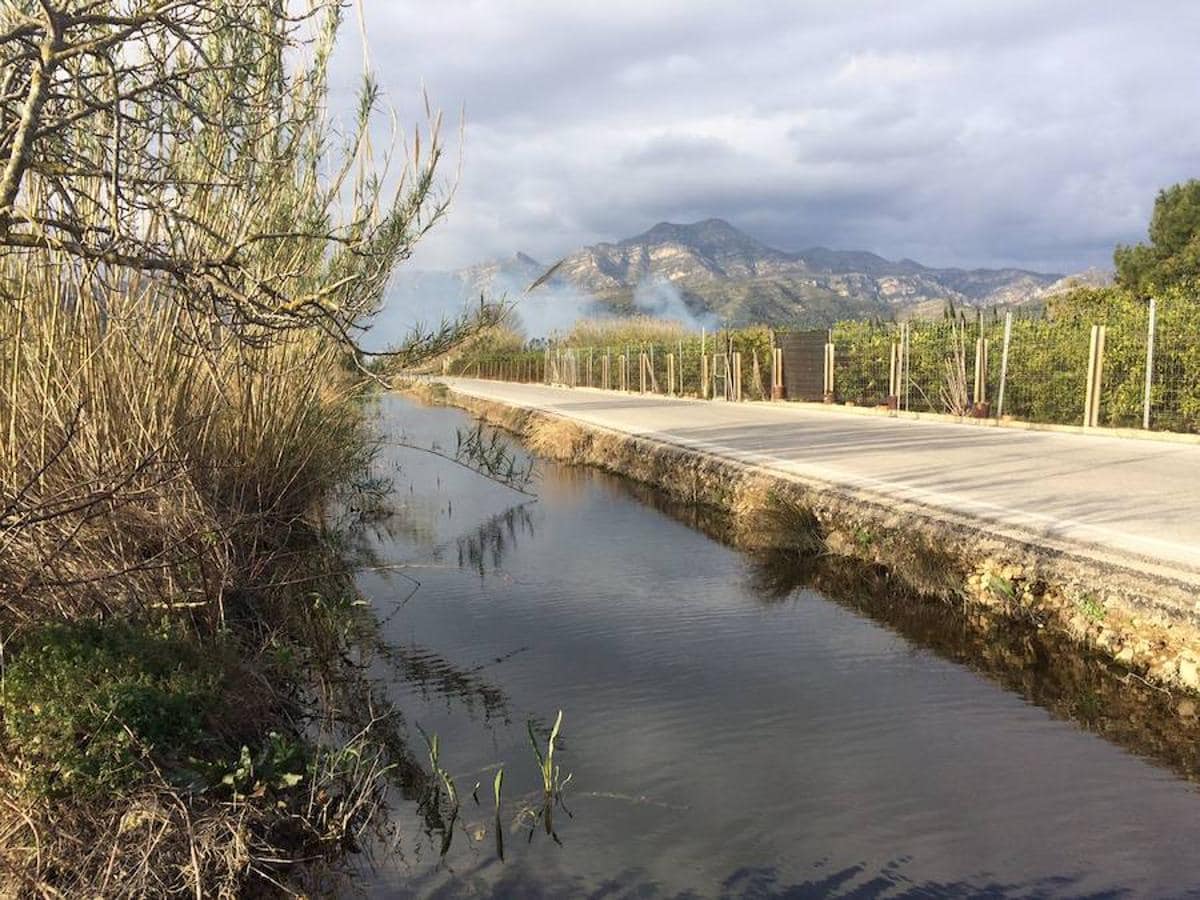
{"points": [[737, 376], [1150, 336], [703, 376], [671, 374]]}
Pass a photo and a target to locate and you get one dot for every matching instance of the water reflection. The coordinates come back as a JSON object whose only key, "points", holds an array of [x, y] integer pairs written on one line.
{"points": [[484, 548], [857, 882], [1045, 668]]}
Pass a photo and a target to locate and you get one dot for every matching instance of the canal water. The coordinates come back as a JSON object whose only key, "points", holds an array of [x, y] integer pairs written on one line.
{"points": [[729, 730]]}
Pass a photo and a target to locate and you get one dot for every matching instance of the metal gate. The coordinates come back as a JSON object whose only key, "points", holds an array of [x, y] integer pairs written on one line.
{"points": [[803, 363]]}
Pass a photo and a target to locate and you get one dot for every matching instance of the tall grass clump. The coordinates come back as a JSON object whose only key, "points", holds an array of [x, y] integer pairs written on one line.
{"points": [[143, 473], [627, 330]]}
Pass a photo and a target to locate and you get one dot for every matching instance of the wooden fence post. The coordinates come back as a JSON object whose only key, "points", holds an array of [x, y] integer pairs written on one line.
{"points": [[671, 374], [703, 376], [829, 370], [1150, 335], [1004, 365], [737, 376], [981, 367], [1091, 413], [893, 398]]}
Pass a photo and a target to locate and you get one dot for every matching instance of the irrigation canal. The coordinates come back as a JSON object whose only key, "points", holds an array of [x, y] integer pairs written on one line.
{"points": [[737, 727]]}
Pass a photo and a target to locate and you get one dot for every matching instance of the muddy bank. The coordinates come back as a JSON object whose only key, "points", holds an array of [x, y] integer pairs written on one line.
{"points": [[1141, 621]]}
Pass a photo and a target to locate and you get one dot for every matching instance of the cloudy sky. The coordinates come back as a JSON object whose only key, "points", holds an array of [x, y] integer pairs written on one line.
{"points": [[955, 132]]}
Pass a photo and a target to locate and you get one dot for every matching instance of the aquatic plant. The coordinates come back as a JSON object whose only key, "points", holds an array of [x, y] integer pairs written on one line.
{"points": [[498, 826], [553, 783], [442, 780]]}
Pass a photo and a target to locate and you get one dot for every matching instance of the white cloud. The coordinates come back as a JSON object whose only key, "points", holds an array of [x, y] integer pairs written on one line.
{"points": [[991, 132]]}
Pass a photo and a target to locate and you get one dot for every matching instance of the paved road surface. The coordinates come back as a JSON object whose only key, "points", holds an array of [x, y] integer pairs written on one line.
{"points": [[1116, 496]]}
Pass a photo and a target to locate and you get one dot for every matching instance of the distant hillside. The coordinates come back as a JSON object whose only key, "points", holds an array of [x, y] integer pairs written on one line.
{"points": [[717, 274]]}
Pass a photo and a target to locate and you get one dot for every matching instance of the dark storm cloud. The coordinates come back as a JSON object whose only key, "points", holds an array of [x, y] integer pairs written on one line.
{"points": [[981, 133]]}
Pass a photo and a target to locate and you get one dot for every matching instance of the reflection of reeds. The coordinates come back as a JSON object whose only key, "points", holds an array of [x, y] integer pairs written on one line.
{"points": [[485, 548], [434, 674]]}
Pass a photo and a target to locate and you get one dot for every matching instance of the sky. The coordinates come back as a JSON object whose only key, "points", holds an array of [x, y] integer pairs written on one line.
{"points": [[953, 132]]}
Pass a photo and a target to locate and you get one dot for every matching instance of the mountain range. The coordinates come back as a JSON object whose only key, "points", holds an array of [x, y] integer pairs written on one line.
{"points": [[712, 272]]}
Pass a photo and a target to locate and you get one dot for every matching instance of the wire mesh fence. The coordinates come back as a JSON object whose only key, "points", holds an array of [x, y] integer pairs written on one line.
{"points": [[1087, 367]]}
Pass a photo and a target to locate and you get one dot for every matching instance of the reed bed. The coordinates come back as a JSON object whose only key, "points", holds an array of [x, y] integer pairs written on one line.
{"points": [[151, 478], [142, 470], [179, 409]]}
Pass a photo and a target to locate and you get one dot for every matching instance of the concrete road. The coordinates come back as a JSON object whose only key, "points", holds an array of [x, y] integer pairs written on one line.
{"points": [[1118, 496]]}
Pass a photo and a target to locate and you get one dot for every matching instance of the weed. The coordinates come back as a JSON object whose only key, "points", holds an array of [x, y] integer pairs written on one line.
{"points": [[780, 521], [498, 825], [88, 707], [1092, 608], [553, 783], [998, 586], [441, 781], [281, 763]]}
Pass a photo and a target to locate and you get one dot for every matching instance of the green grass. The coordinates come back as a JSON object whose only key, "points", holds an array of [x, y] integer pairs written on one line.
{"points": [[88, 706], [1092, 608]]}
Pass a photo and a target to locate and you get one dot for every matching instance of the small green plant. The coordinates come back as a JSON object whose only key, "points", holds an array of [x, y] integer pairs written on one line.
{"points": [[863, 537], [280, 764], [553, 783], [442, 780], [1092, 608], [498, 826], [88, 706], [998, 586]]}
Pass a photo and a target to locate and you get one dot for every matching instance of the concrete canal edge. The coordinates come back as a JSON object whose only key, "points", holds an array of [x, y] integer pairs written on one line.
{"points": [[1144, 617]]}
